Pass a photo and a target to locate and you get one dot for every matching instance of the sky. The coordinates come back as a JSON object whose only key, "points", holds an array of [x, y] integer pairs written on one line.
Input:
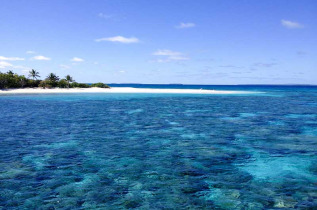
{"points": [[162, 41]]}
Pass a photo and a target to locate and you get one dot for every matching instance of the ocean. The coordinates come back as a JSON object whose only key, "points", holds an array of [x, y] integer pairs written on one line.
{"points": [[160, 151]]}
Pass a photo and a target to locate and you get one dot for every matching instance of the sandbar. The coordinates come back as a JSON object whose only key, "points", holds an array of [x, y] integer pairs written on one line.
{"points": [[117, 90]]}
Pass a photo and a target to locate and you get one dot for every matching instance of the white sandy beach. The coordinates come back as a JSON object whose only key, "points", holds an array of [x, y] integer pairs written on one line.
{"points": [[117, 90]]}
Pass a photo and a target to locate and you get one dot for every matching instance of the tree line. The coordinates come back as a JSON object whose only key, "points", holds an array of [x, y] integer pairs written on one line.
{"points": [[13, 80]]}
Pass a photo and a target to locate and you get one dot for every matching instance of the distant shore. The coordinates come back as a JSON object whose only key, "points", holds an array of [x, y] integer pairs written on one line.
{"points": [[116, 90]]}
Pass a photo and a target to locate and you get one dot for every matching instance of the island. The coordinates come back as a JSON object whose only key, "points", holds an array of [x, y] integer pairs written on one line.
{"points": [[12, 83]]}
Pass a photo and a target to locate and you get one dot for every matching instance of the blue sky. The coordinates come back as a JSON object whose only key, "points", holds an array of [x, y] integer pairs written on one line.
{"points": [[162, 41]]}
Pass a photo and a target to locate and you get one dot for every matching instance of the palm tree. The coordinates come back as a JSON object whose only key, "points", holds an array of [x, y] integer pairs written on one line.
{"points": [[34, 74], [10, 73], [69, 79], [53, 79]]}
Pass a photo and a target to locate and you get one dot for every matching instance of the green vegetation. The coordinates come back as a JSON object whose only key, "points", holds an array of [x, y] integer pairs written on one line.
{"points": [[69, 79], [100, 85], [12, 80], [79, 85]]}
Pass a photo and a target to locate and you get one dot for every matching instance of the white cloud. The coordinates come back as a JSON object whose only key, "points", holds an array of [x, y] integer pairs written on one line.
{"points": [[30, 52], [75, 59], [291, 24], [4, 64], [260, 64], [169, 55], [40, 58], [120, 39], [64, 66], [102, 15], [121, 71], [24, 69], [2, 58], [186, 25], [166, 52], [160, 61]]}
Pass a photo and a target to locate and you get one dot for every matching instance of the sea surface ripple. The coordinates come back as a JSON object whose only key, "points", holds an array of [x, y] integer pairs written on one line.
{"points": [[159, 151]]}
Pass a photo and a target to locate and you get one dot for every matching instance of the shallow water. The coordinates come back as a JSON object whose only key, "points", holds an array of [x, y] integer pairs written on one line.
{"points": [[155, 151]]}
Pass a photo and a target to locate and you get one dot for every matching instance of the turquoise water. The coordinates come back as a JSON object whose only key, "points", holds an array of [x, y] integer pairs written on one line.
{"points": [[159, 151]]}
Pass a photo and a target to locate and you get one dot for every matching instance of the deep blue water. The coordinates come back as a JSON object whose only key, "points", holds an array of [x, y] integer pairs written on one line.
{"points": [[160, 151]]}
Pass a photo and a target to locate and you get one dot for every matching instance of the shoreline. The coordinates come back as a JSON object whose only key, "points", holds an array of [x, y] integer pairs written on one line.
{"points": [[117, 90]]}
